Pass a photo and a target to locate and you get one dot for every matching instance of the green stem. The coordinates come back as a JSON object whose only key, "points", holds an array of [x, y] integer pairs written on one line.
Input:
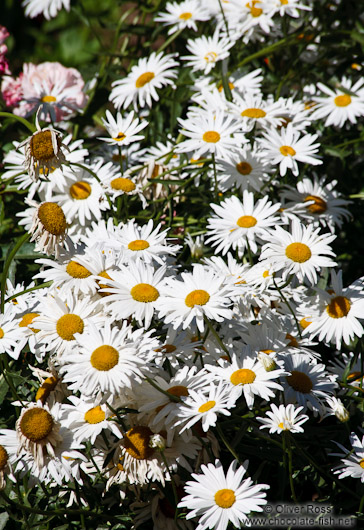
{"points": [[227, 445], [170, 40], [216, 335], [25, 122], [40, 286], [290, 468], [8, 261], [288, 305]]}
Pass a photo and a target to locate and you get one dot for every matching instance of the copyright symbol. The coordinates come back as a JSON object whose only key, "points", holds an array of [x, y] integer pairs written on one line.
{"points": [[268, 508]]}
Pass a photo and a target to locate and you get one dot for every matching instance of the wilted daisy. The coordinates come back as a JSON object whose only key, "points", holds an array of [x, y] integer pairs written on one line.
{"points": [[286, 148], [182, 15], [283, 418], [206, 51], [218, 499], [123, 131], [302, 252], [352, 460], [139, 86], [238, 224]]}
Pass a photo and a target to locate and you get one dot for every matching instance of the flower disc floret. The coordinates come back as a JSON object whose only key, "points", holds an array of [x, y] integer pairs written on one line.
{"points": [[197, 297], [287, 150], [104, 358], [143, 79], [3, 457], [225, 498], [138, 244], [339, 307], [246, 221], [207, 406], [76, 270], [68, 325], [27, 320], [243, 376], [144, 292], [211, 137], [178, 390], [254, 113], [123, 184], [244, 168], [298, 252], [80, 190], [41, 146], [300, 382], [95, 415], [343, 100], [136, 442], [36, 424], [319, 205], [46, 388], [52, 218]]}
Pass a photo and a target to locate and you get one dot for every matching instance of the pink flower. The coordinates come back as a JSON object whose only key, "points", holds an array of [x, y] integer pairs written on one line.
{"points": [[11, 90], [4, 66]]}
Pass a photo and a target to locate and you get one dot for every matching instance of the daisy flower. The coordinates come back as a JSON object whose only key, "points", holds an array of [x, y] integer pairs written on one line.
{"points": [[12, 334], [252, 110], [115, 185], [202, 293], [286, 148], [123, 131], [106, 361], [345, 103], [238, 224], [218, 499], [352, 465], [246, 375], [182, 15], [48, 8], [283, 418], [139, 87], [302, 252], [206, 51], [341, 308], [209, 133], [335, 406], [288, 7], [134, 291]]}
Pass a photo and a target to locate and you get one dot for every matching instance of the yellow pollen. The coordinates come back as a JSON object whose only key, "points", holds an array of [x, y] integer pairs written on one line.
{"points": [[68, 325], [103, 274], [304, 323], [287, 150], [2, 333], [36, 424], [185, 16], [284, 2], [267, 351], [211, 57], [138, 244], [41, 146], [361, 463], [95, 415], [122, 184], [221, 87], [253, 113], [319, 205], [143, 292], [144, 79], [339, 307], [167, 348], [244, 168], [198, 297], [52, 218], [298, 252], [300, 382], [225, 498], [136, 442], [211, 137], [46, 388], [342, 101], [243, 376], [104, 358], [292, 340], [49, 99], [27, 320], [3, 457], [265, 274], [76, 270], [254, 11], [178, 390], [80, 190], [207, 406], [120, 137], [280, 425], [246, 221]]}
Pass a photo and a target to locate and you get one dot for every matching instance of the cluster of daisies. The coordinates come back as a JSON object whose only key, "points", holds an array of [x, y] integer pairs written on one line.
{"points": [[137, 356]]}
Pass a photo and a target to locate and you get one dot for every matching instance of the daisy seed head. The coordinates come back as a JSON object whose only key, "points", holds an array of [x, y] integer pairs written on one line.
{"points": [[136, 442], [46, 388], [41, 146], [104, 358], [123, 184], [178, 390], [52, 218], [319, 206], [300, 382], [95, 415], [80, 190], [76, 270], [3, 457], [68, 325], [244, 168], [36, 424], [339, 307]]}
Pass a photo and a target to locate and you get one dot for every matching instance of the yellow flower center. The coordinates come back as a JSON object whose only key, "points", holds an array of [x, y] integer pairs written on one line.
{"points": [[361, 463], [76, 270], [46, 388], [2, 333], [95, 415], [267, 352], [211, 57], [298, 252], [254, 11], [342, 101], [103, 274], [28, 319], [178, 390], [265, 274], [138, 244], [221, 86], [136, 442], [198, 297], [284, 2], [281, 426], [304, 323], [122, 184], [80, 190], [225, 498], [185, 16], [104, 358], [244, 168], [68, 325], [167, 348], [143, 292], [243, 376], [318, 206], [207, 406], [36, 424], [52, 218], [3, 457], [339, 307], [246, 221], [120, 137], [300, 382], [144, 79], [211, 137], [287, 150], [41, 146], [292, 340], [49, 99], [253, 113]]}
